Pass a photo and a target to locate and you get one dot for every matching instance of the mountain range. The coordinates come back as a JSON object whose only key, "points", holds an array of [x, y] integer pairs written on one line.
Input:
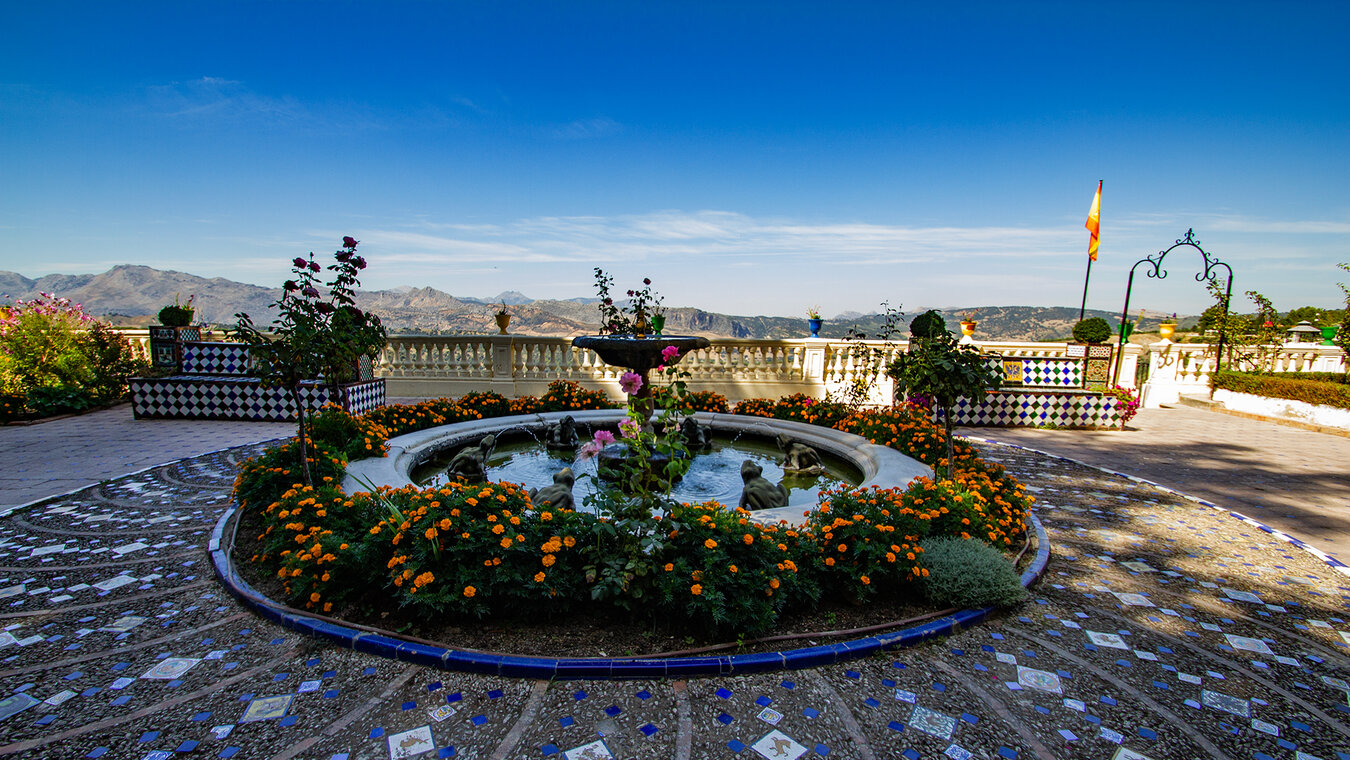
{"points": [[129, 295]]}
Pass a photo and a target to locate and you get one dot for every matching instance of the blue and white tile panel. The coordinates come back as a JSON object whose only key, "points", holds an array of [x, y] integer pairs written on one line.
{"points": [[215, 358], [238, 398], [1031, 408]]}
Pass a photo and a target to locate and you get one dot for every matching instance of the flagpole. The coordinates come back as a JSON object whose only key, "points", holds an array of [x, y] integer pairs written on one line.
{"points": [[1082, 309]]}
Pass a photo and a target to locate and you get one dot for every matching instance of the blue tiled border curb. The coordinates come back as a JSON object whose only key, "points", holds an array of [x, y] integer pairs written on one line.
{"points": [[389, 645], [1331, 561]]}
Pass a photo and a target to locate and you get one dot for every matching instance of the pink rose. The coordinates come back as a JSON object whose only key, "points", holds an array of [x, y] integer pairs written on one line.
{"points": [[669, 353], [631, 382]]}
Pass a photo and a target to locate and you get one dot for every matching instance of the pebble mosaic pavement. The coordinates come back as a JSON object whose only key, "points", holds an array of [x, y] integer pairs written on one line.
{"points": [[1161, 629]]}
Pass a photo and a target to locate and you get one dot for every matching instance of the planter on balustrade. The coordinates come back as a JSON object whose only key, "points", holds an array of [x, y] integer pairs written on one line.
{"points": [[503, 321], [814, 326], [166, 343]]}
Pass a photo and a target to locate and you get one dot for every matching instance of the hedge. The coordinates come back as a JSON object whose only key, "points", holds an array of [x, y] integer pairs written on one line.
{"points": [[1293, 386]]}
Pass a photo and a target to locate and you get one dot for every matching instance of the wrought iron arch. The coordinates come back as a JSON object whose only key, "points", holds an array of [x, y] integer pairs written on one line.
{"points": [[1156, 271]]}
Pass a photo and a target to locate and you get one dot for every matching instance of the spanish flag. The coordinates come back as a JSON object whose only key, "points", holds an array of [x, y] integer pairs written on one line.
{"points": [[1094, 222]]}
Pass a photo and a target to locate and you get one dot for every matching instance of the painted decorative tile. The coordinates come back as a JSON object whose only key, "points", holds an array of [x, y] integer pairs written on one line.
{"points": [[1038, 679], [1139, 566], [1242, 596], [267, 708], [14, 704], [596, 750], [1229, 704], [116, 581], [439, 714], [1133, 599], [1125, 753], [1247, 644], [123, 624], [770, 716], [932, 722], [777, 745], [411, 743], [1112, 640], [171, 668]]}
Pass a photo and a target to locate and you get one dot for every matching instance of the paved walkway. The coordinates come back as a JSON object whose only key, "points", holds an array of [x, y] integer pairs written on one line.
{"points": [[1295, 480], [1162, 629]]}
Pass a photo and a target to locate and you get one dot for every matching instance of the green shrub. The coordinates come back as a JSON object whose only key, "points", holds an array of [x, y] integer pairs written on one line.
{"points": [[1092, 330], [800, 407], [928, 325], [566, 395], [486, 403], [1286, 386], [970, 573], [50, 400], [755, 407], [708, 401]]}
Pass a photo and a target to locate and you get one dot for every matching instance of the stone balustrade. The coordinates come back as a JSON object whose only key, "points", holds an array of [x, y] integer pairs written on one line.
{"points": [[513, 365]]}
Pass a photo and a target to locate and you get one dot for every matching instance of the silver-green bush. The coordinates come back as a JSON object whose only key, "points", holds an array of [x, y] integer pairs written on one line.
{"points": [[969, 573]]}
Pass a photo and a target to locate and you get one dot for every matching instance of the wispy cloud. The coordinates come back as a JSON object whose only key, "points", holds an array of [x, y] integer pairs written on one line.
{"points": [[218, 98], [588, 129]]}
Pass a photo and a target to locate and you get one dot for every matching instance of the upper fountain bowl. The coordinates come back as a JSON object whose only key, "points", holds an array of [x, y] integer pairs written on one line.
{"points": [[638, 354]]}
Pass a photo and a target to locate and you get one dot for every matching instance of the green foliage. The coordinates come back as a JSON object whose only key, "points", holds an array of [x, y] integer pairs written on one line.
{"points": [[756, 407], [928, 325], [938, 367], [800, 407], [313, 336], [1342, 338], [486, 403], [1092, 330], [969, 573], [177, 314], [1334, 393], [870, 361], [55, 358]]}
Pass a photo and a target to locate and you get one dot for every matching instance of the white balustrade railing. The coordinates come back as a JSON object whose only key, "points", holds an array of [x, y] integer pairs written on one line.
{"points": [[514, 365], [1184, 369]]}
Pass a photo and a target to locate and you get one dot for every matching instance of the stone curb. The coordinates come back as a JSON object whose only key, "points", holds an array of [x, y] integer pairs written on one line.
{"points": [[394, 647]]}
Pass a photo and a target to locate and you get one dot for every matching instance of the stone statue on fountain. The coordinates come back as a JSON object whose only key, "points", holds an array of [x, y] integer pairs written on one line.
{"points": [[471, 461], [758, 492], [798, 458], [563, 434], [558, 495]]}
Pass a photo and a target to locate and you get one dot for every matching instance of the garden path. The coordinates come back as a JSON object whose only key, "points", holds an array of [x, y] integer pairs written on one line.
{"points": [[1161, 629]]}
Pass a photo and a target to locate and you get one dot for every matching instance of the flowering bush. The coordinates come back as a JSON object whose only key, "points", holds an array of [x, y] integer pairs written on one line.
{"points": [[565, 395], [312, 336], [471, 551], [800, 407], [756, 407], [54, 357], [643, 305], [1127, 402]]}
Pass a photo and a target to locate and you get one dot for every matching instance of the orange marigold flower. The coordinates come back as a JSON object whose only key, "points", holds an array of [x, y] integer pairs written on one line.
{"points": [[539, 577], [829, 561], [499, 529], [506, 543], [733, 568], [670, 566], [747, 539], [711, 544], [865, 580], [548, 560], [469, 591], [314, 597], [696, 589]]}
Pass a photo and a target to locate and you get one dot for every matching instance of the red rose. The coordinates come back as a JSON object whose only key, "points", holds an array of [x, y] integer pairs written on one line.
{"points": [[349, 242], [298, 263]]}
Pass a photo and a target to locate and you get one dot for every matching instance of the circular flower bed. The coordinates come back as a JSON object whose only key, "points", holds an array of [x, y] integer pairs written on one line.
{"points": [[471, 552]]}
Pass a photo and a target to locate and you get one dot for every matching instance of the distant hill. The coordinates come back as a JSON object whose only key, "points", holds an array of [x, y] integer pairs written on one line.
{"points": [[132, 295]]}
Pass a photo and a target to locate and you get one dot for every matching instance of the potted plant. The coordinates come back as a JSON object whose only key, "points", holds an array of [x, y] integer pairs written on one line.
{"points": [[968, 327], [174, 329], [1168, 327], [503, 318], [813, 320], [177, 314], [1094, 332]]}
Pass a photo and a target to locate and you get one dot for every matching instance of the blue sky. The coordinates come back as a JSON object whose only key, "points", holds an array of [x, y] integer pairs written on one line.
{"points": [[748, 157]]}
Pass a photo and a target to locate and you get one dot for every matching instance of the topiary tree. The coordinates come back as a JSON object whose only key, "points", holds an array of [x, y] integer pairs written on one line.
{"points": [[969, 573], [313, 336], [939, 367], [1092, 330]]}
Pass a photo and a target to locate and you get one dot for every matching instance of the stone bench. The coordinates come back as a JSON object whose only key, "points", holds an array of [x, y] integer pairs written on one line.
{"points": [[213, 383]]}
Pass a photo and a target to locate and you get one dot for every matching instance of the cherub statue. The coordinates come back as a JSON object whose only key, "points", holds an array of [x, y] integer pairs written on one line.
{"points": [[695, 435], [558, 495], [471, 461], [562, 434], [758, 492], [798, 458]]}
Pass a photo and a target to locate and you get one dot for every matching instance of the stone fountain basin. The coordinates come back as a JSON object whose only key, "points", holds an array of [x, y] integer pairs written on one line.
{"points": [[880, 466]]}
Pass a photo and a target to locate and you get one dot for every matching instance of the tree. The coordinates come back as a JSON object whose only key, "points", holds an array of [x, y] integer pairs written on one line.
{"points": [[1343, 334], [939, 367], [313, 337]]}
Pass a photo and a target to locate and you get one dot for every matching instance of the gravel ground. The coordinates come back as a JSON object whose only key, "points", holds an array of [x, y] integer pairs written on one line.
{"points": [[1161, 629]]}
